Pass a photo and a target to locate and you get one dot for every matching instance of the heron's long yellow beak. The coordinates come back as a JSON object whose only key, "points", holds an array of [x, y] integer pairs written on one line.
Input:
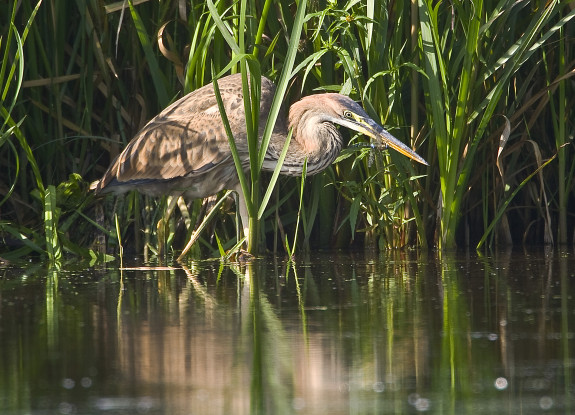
{"points": [[376, 131]]}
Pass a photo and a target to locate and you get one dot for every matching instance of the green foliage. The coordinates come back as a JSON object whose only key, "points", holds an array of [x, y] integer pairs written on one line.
{"points": [[78, 79], [465, 88]]}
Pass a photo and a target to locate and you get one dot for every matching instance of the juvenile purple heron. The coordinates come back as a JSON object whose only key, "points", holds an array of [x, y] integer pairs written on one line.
{"points": [[184, 150]]}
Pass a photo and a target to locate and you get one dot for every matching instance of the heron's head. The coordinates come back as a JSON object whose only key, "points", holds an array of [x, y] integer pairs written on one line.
{"points": [[342, 110]]}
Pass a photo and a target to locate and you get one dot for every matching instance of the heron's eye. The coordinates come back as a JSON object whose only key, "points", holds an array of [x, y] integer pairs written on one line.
{"points": [[347, 114]]}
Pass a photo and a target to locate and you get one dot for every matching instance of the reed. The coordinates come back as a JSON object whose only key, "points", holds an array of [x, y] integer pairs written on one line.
{"points": [[79, 79], [466, 87], [11, 79]]}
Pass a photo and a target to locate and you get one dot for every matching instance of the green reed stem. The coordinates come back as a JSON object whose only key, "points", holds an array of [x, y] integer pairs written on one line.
{"points": [[560, 140], [251, 94]]}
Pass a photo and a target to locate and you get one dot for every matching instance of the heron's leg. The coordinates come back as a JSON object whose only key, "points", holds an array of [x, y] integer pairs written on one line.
{"points": [[243, 210]]}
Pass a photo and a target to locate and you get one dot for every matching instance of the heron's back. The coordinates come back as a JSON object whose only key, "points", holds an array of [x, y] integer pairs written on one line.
{"points": [[185, 147]]}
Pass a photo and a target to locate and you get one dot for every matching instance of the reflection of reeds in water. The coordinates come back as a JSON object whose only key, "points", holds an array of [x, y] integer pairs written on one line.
{"points": [[459, 334], [332, 335], [236, 347]]}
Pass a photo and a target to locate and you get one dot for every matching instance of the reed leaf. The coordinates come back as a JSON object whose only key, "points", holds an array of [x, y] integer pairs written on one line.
{"points": [[251, 97], [24, 236], [51, 216], [196, 233], [156, 74], [508, 200]]}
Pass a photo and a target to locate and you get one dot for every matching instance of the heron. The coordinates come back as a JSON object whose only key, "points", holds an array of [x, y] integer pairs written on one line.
{"points": [[184, 150]]}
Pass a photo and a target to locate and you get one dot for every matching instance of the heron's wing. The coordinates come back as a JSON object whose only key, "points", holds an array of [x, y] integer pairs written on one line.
{"points": [[171, 148], [187, 138]]}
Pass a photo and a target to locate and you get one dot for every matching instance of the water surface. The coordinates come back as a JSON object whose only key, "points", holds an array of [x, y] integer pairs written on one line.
{"points": [[339, 333]]}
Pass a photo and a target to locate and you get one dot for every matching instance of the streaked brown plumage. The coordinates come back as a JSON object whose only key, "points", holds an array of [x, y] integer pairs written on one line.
{"points": [[184, 150]]}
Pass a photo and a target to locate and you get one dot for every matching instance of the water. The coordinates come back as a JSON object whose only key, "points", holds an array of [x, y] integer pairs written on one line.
{"points": [[331, 334]]}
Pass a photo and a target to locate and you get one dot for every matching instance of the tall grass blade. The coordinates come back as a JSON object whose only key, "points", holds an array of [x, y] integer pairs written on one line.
{"points": [[282, 83], [274, 176], [233, 148], [22, 235], [439, 111], [299, 210], [119, 236], [196, 233], [156, 74], [224, 29], [507, 201], [251, 96], [281, 88], [4, 138], [51, 215]]}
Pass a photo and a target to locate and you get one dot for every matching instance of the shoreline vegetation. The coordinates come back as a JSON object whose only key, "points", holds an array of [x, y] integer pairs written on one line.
{"points": [[483, 90]]}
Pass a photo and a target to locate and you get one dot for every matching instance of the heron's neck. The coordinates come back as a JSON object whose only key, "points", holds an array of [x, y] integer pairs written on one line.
{"points": [[318, 146]]}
